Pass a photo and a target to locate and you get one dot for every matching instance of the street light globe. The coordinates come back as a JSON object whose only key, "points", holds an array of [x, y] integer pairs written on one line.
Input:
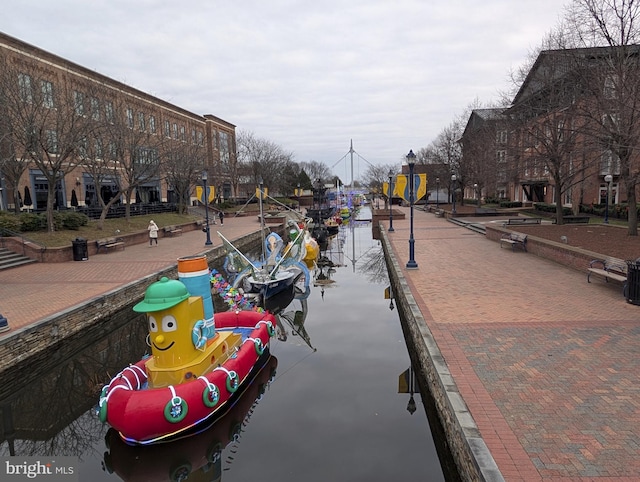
{"points": [[411, 158], [453, 177], [608, 178]]}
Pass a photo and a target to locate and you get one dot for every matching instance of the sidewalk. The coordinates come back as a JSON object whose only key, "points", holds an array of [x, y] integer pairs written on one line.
{"points": [[32, 292], [547, 363]]}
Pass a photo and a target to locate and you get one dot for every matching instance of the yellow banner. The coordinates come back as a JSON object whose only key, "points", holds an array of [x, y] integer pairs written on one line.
{"points": [[402, 187], [210, 189], [265, 192]]}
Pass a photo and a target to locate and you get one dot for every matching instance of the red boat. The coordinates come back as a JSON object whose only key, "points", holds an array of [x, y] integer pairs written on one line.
{"points": [[198, 360], [197, 457]]}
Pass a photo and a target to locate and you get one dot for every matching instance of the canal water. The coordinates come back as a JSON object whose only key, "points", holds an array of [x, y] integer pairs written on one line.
{"points": [[333, 402]]}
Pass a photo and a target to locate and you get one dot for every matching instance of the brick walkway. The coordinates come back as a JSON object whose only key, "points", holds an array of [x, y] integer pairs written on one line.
{"points": [[34, 291], [547, 364]]}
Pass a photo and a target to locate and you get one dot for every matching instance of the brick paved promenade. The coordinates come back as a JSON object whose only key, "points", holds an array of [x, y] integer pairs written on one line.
{"points": [[547, 364]]}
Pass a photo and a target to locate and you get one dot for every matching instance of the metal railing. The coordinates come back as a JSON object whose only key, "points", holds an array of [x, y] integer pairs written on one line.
{"points": [[8, 233]]}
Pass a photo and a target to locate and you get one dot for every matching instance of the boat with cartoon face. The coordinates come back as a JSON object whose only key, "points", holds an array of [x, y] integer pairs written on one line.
{"points": [[198, 360]]}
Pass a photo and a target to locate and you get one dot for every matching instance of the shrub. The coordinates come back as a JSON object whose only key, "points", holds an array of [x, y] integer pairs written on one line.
{"points": [[73, 220], [32, 222], [9, 221], [510, 204]]}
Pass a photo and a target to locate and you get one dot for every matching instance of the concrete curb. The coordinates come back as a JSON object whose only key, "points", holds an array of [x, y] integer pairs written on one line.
{"points": [[473, 458]]}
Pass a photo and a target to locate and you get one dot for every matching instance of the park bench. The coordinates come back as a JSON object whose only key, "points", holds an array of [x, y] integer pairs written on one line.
{"points": [[109, 243], [172, 230], [516, 240], [522, 221], [609, 268]]}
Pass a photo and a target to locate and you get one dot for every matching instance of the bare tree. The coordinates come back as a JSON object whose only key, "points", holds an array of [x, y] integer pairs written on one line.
{"points": [[612, 80], [183, 168], [263, 159], [317, 170], [47, 127], [134, 150], [376, 175], [552, 134]]}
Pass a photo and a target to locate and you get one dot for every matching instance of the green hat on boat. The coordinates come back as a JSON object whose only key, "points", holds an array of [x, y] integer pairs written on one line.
{"points": [[162, 295]]}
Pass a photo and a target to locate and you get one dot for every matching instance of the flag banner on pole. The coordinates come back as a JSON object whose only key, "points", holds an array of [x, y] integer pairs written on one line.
{"points": [[265, 192], [419, 186], [385, 188], [402, 187], [210, 190]]}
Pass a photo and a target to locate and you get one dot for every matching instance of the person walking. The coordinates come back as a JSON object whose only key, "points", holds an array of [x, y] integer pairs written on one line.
{"points": [[221, 216], [153, 232]]}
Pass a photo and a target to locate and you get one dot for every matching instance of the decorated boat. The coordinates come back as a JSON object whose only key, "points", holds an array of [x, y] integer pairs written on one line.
{"points": [[197, 457], [279, 268], [198, 360]]}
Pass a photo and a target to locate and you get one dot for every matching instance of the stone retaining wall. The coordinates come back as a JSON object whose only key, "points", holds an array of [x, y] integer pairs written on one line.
{"points": [[566, 255], [473, 459], [65, 253], [26, 343]]}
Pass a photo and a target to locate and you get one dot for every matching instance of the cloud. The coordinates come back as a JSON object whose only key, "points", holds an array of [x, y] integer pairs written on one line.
{"points": [[309, 76]]}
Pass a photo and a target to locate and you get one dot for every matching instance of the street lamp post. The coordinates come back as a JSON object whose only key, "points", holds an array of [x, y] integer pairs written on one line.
{"points": [[411, 160], [453, 181], [608, 178], [477, 193], [437, 190], [205, 196], [391, 230]]}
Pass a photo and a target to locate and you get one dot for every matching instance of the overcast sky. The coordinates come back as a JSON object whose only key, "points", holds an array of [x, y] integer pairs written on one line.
{"points": [[307, 75]]}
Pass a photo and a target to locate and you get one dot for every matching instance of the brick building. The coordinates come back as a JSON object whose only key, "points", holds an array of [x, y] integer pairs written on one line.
{"points": [[76, 112]]}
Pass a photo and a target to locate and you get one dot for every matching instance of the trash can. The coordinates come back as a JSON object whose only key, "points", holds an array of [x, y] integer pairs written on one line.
{"points": [[80, 252], [633, 282]]}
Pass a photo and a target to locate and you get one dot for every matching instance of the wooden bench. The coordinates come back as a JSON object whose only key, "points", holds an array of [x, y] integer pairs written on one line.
{"points": [[522, 221], [172, 230], [609, 268], [518, 240], [109, 243]]}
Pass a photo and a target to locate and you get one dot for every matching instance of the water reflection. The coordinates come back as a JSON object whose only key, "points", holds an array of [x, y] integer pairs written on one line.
{"points": [[332, 413], [197, 457], [51, 415]]}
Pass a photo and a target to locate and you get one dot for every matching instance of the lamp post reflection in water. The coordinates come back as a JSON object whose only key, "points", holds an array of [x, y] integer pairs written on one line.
{"points": [[391, 174]]}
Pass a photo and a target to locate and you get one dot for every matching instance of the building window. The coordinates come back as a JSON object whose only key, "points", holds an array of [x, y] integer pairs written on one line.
{"points": [[129, 118], [167, 129], [609, 163], [200, 138], [24, 84], [193, 136], [52, 141], [152, 124], [47, 94], [113, 150], [78, 102], [97, 145], [141, 123], [182, 134], [95, 109], [175, 130], [501, 137], [108, 111]]}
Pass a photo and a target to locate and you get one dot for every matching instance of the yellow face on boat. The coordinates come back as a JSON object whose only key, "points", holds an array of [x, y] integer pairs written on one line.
{"points": [[170, 333]]}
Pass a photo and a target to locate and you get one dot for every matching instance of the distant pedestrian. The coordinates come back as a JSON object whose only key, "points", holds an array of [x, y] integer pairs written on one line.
{"points": [[153, 233], [221, 216]]}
